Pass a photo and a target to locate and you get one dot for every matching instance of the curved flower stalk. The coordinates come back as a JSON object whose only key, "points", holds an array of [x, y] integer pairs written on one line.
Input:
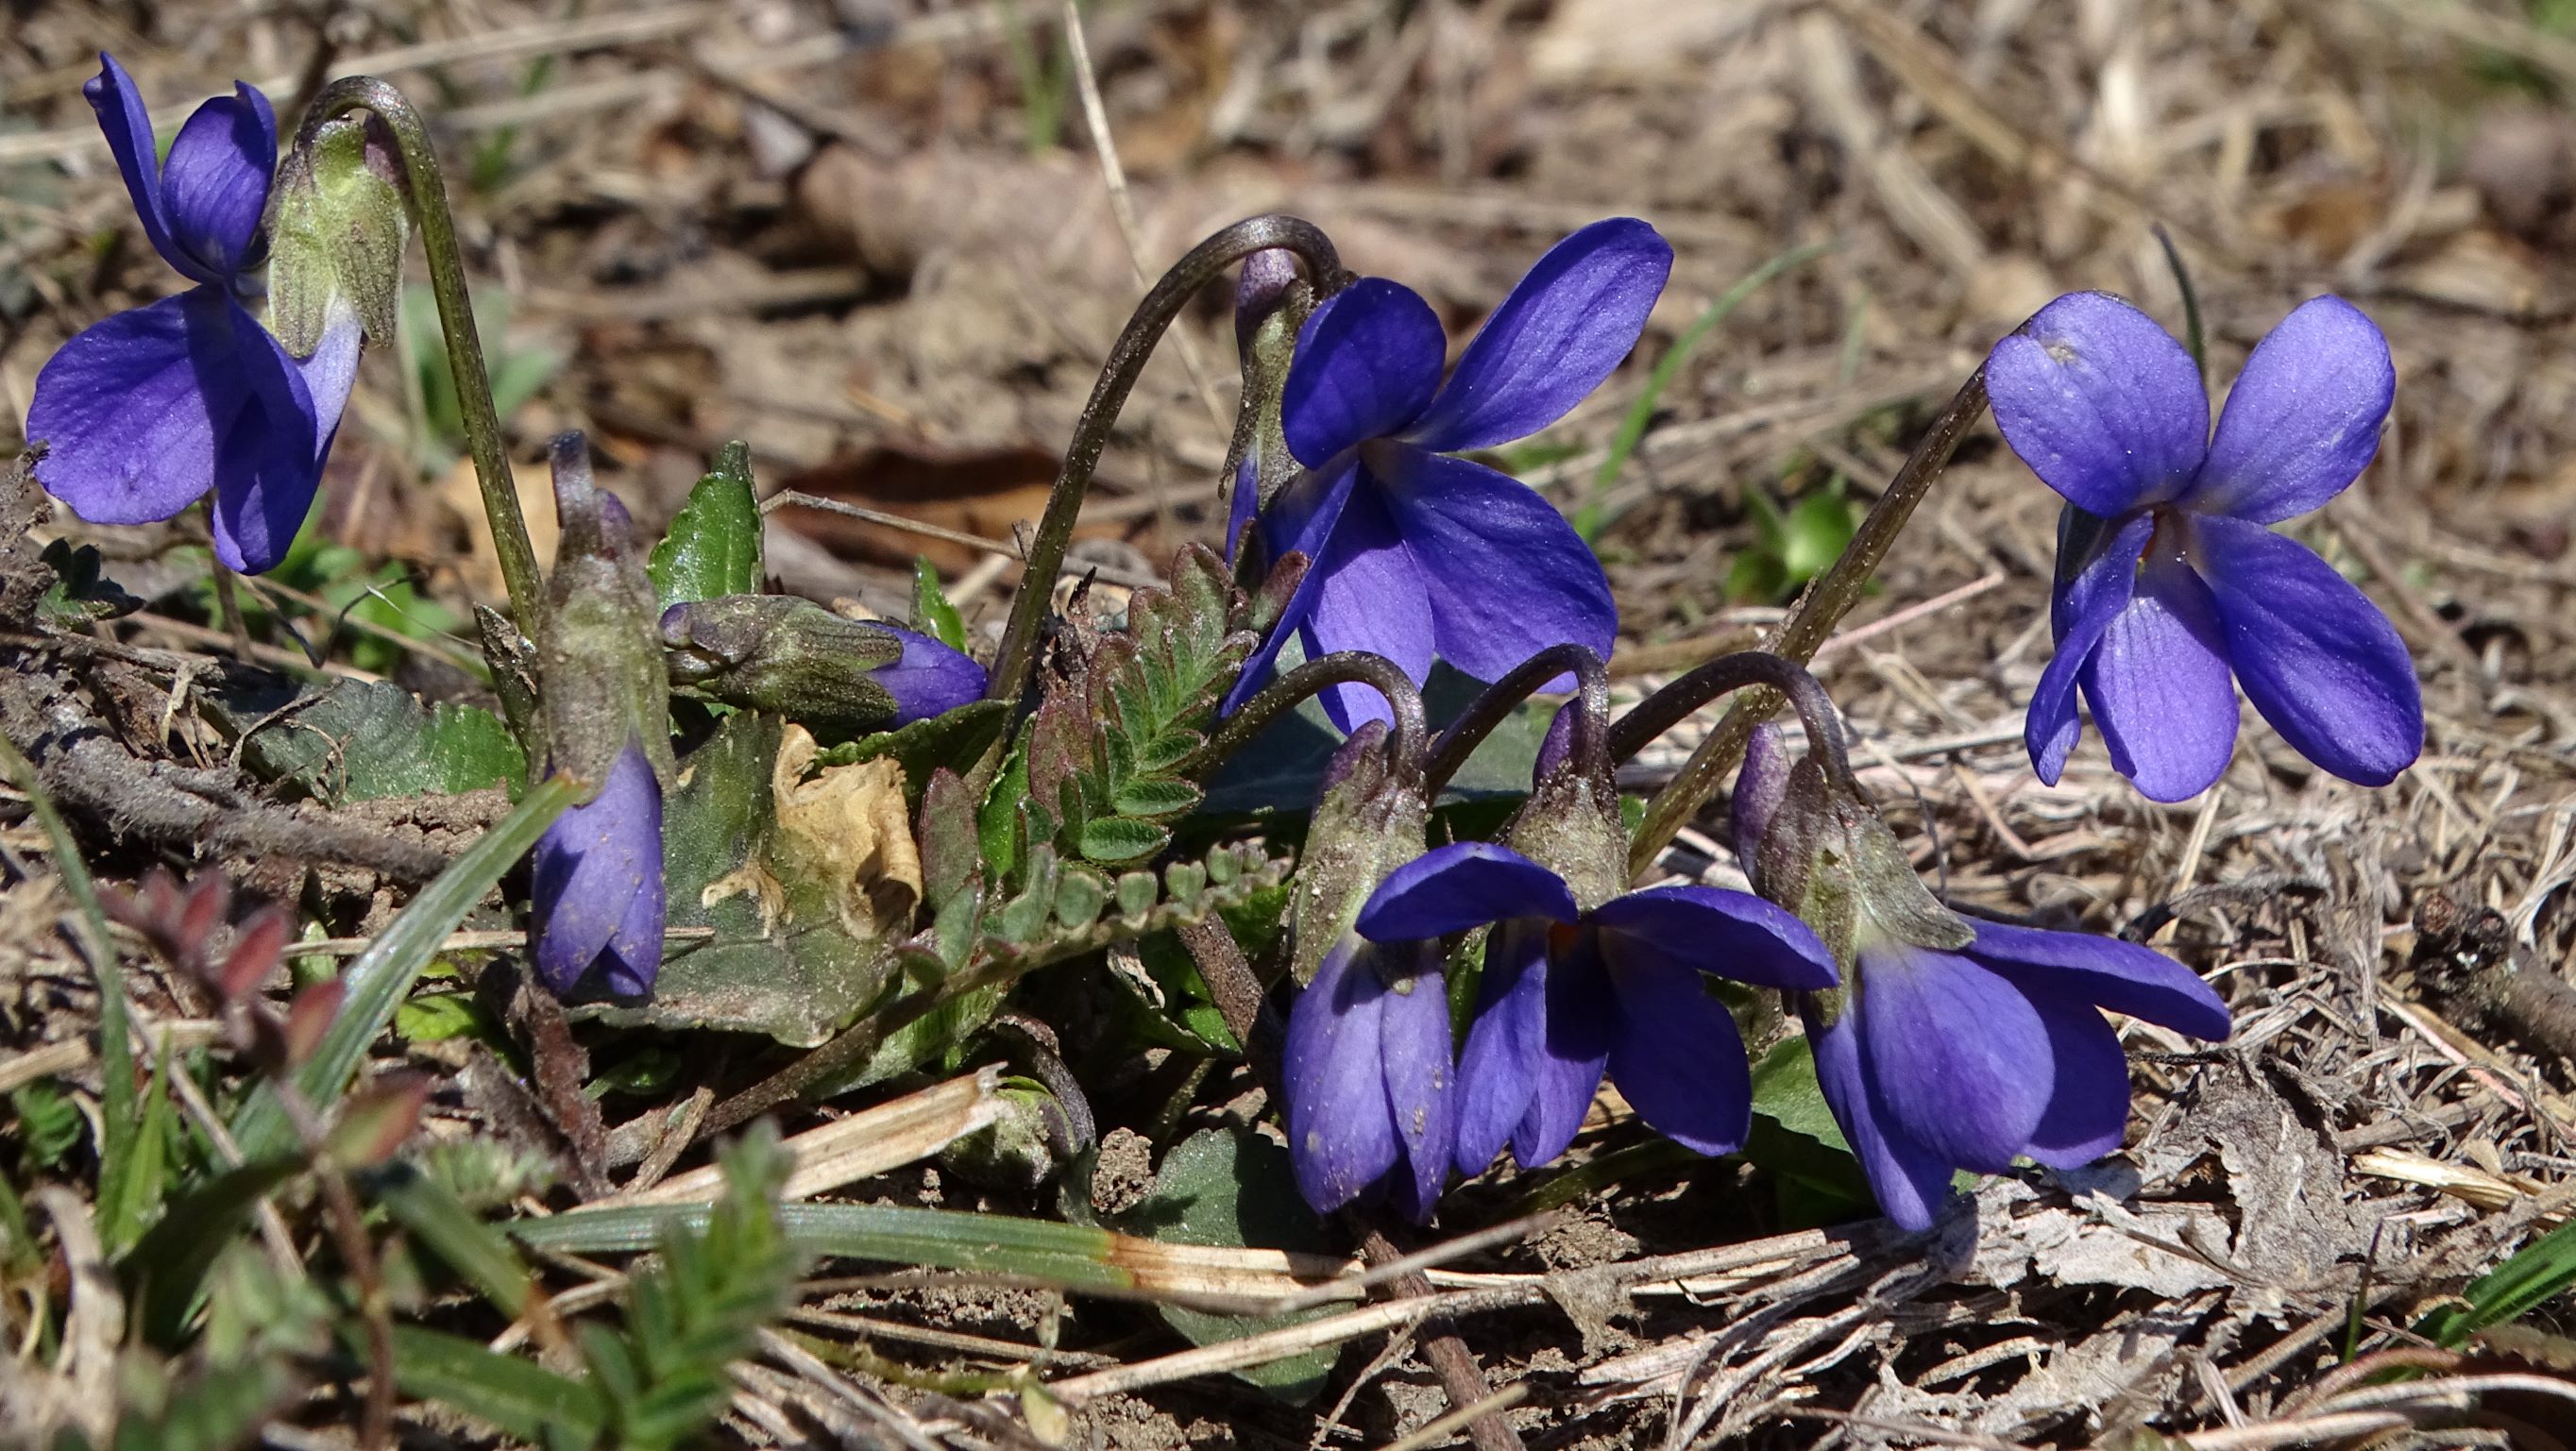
{"points": [[2171, 587], [1952, 1043], [152, 409], [1418, 553]]}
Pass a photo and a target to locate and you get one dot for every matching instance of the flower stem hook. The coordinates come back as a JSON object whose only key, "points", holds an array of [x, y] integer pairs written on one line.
{"points": [[428, 195], [1667, 707], [1591, 744], [1118, 377], [1404, 743]]}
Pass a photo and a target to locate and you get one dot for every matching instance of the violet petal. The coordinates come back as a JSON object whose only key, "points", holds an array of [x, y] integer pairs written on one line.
{"points": [[1498, 1068], [1368, 596], [1505, 574], [121, 114], [2160, 687], [1959, 1056], [928, 679], [1462, 885], [1368, 359], [2303, 420], [2122, 976], [269, 464], [1675, 1053], [1573, 1053], [2083, 610], [1709, 929], [1300, 519], [130, 417], [2317, 658], [215, 181], [2088, 1113], [1421, 1081], [2102, 403], [1341, 1140], [589, 868], [1566, 326], [1910, 1181]]}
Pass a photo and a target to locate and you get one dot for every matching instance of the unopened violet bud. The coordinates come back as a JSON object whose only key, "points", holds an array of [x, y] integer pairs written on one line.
{"points": [[596, 886], [929, 679], [784, 654], [599, 657]]}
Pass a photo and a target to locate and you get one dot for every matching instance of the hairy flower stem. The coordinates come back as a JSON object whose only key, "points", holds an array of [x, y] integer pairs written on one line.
{"points": [[1118, 377], [1668, 707], [1813, 618], [1348, 667], [428, 192], [1239, 996], [1495, 704]]}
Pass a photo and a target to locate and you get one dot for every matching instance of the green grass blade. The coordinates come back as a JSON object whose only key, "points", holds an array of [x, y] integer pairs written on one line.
{"points": [[441, 1222], [2536, 1274], [379, 979], [1588, 520], [118, 1118], [1062, 1254]]}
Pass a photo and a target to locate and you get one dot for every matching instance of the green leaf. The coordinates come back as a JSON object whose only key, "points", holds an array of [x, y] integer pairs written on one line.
{"points": [[1232, 1186], [1156, 798], [1786, 1092], [1112, 840], [214, 1411], [519, 1398], [1795, 1137], [713, 547], [363, 740], [1283, 768], [437, 1017], [932, 614], [383, 975]]}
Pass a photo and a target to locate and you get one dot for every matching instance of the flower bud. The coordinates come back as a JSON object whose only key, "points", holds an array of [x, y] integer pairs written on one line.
{"points": [[599, 659], [336, 227], [781, 653], [1369, 820]]}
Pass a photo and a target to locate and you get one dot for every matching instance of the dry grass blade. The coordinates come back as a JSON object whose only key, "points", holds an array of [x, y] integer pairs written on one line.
{"points": [[862, 1146]]}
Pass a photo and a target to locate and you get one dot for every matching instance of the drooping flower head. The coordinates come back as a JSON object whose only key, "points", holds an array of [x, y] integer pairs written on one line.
{"points": [[781, 653], [2170, 584], [1952, 1043], [152, 409], [1417, 553], [1366, 1071], [596, 892]]}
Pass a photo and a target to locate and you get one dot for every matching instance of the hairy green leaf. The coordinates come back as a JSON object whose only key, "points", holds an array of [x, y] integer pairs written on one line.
{"points": [[1232, 1186], [932, 614], [363, 740]]}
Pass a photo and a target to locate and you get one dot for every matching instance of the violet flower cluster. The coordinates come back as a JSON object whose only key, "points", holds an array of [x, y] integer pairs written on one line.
{"points": [[154, 408], [2173, 587]]}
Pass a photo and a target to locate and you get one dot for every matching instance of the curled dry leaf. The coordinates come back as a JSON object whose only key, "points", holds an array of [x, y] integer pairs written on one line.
{"points": [[849, 822]]}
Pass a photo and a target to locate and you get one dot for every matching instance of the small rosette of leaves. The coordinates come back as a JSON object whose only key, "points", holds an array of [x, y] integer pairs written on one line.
{"points": [[1125, 711]]}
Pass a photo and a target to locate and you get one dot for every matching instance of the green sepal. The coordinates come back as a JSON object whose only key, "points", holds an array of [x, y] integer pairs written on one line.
{"points": [[336, 225]]}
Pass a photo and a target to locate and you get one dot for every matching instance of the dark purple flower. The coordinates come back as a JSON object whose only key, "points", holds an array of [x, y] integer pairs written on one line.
{"points": [[1418, 554], [930, 679], [1570, 995], [596, 886], [1368, 1076], [1938, 1061], [2170, 583], [1952, 1043], [152, 409]]}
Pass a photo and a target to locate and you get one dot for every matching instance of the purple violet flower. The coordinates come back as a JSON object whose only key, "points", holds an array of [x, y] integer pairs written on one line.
{"points": [[2169, 582], [152, 409], [596, 886], [1417, 553], [929, 679], [1571, 995], [1370, 1087], [1969, 1054]]}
